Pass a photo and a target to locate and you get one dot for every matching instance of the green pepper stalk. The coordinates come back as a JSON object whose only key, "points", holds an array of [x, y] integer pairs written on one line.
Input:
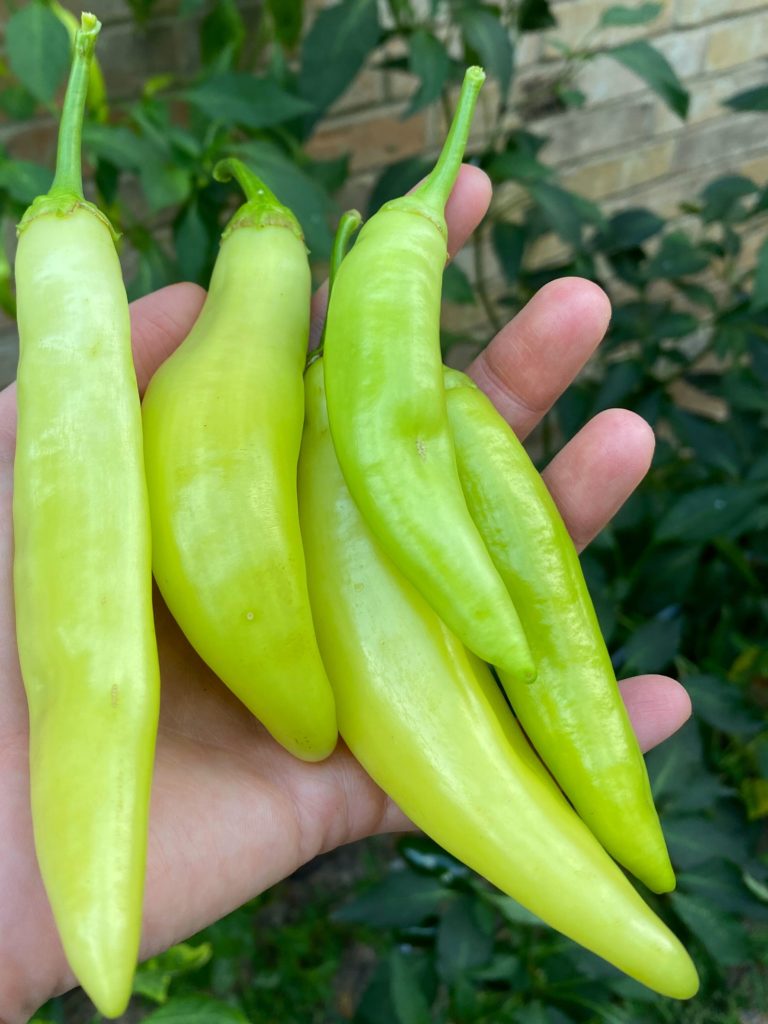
{"points": [[82, 570], [222, 428], [387, 410], [573, 713]]}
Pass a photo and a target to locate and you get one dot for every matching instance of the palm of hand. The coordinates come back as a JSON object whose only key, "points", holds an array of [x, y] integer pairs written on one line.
{"points": [[232, 813]]}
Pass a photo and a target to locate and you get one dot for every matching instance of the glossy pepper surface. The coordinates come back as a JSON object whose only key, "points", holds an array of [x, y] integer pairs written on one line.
{"points": [[388, 416], [573, 713], [222, 429], [427, 721], [82, 571]]}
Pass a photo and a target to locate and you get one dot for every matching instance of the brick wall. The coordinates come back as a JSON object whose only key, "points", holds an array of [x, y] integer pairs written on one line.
{"points": [[624, 147]]}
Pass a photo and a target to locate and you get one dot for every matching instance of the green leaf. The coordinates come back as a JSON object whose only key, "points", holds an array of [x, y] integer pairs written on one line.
{"points": [[651, 647], [721, 197], [456, 286], [565, 213], [462, 944], [511, 910], [402, 898], [288, 19], [24, 180], [487, 37], [722, 705], [222, 34], [518, 165], [628, 229], [116, 144], [678, 256], [195, 244], [707, 512], [621, 16], [294, 187], [722, 936], [751, 99], [37, 46], [509, 242], [196, 1010], [721, 885], [396, 180], [427, 59], [759, 299], [408, 996], [696, 840], [164, 183], [153, 978], [652, 66], [17, 102], [334, 50], [240, 98], [534, 15], [153, 270], [425, 856]]}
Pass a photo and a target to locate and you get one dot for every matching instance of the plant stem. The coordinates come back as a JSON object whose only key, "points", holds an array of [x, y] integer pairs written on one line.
{"points": [[69, 172]]}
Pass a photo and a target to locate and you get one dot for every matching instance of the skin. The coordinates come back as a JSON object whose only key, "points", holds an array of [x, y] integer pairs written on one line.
{"points": [[232, 813]]}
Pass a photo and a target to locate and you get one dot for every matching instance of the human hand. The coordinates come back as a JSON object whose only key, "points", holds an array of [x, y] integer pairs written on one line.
{"points": [[232, 812]]}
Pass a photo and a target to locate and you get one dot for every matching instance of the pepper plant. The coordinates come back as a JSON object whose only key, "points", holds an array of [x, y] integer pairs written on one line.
{"points": [[678, 578]]}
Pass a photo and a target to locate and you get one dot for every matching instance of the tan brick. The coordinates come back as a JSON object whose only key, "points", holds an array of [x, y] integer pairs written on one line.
{"points": [[596, 180], [756, 169], [694, 12], [585, 132], [367, 90], [32, 140], [647, 163], [737, 41], [372, 142], [723, 141]]}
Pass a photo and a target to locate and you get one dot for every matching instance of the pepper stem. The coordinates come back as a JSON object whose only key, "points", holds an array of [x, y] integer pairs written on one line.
{"points": [[437, 186], [348, 225], [69, 173], [262, 207]]}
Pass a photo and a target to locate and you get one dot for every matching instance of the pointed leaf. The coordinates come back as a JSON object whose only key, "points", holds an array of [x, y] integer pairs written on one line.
{"points": [[653, 67], [750, 99], [234, 96], [428, 59], [491, 41], [38, 50], [621, 16]]}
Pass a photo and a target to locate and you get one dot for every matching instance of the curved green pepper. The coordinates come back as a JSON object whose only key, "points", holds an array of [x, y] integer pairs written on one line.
{"points": [[222, 429], [427, 721], [388, 414], [82, 571], [573, 713]]}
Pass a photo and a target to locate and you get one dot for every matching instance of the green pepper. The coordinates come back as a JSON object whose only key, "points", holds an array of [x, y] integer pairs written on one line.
{"points": [[82, 570], [427, 721], [388, 415], [573, 713], [222, 429]]}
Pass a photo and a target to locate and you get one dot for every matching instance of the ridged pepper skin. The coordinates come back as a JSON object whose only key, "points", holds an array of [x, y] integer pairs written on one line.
{"points": [[222, 428], [82, 575], [429, 724], [388, 413], [573, 713]]}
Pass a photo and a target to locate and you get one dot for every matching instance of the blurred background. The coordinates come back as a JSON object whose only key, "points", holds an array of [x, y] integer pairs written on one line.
{"points": [[626, 143]]}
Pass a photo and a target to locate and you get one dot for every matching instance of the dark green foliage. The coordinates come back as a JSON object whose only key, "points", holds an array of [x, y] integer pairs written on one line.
{"points": [[679, 578]]}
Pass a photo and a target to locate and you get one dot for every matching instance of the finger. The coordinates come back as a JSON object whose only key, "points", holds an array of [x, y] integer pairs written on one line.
{"points": [[159, 324], [658, 706], [466, 207], [599, 468], [536, 356]]}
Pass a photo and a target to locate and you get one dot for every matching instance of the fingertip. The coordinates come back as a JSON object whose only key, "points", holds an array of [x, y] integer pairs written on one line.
{"points": [[467, 205], [160, 322], [657, 705]]}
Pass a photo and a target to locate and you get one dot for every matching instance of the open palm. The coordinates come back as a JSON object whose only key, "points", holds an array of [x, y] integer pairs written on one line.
{"points": [[232, 813]]}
